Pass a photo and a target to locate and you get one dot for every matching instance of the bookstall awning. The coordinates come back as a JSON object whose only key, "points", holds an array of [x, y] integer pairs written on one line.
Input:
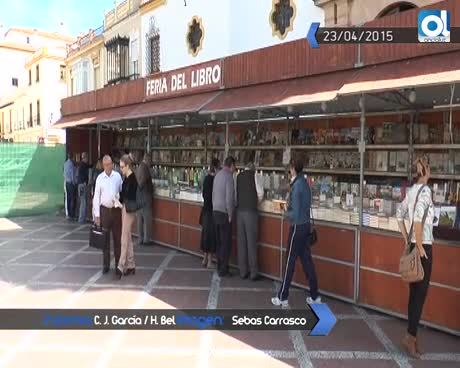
{"points": [[171, 106], [314, 89], [94, 117], [424, 71]]}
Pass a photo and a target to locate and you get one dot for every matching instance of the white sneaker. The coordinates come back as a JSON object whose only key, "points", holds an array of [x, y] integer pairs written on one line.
{"points": [[278, 302], [314, 301]]}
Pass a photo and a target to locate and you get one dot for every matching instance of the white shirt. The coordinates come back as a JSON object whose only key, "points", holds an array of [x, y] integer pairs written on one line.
{"points": [[107, 191], [424, 203]]}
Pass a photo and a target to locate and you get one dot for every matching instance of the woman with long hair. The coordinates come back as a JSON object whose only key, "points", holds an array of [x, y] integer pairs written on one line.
{"points": [[208, 233], [418, 208], [128, 197]]}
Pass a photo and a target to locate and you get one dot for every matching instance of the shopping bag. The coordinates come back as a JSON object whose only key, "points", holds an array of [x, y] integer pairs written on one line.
{"points": [[98, 237]]}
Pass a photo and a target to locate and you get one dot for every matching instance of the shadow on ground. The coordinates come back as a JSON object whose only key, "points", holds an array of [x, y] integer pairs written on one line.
{"points": [[45, 262]]}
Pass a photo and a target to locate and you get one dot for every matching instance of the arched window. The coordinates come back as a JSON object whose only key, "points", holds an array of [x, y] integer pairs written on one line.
{"points": [[396, 8]]}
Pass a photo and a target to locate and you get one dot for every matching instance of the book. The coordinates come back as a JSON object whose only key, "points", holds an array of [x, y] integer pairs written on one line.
{"points": [[392, 161], [447, 216], [382, 161], [402, 158]]}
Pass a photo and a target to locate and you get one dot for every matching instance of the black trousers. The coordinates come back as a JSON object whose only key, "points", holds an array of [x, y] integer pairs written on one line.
{"points": [[111, 221], [224, 241], [418, 291], [71, 197], [299, 237]]}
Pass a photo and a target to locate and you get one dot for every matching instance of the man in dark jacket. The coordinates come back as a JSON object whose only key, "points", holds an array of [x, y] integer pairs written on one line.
{"points": [[298, 214], [249, 193], [144, 215], [82, 181]]}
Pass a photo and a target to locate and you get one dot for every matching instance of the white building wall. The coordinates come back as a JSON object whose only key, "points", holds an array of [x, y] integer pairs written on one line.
{"points": [[12, 66], [230, 27]]}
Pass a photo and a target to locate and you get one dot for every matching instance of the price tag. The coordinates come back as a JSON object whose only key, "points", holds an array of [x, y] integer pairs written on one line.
{"points": [[322, 197], [337, 199]]}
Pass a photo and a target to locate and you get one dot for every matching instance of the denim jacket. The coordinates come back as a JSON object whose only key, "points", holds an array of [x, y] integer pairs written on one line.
{"points": [[299, 202]]}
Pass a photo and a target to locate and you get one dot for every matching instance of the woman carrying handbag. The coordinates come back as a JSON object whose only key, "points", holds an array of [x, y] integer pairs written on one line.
{"points": [[417, 259], [130, 202]]}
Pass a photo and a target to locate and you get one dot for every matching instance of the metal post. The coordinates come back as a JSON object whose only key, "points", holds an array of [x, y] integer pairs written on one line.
{"points": [[90, 145], [205, 143], [149, 134], [362, 151], [413, 117], [98, 140], [227, 146]]}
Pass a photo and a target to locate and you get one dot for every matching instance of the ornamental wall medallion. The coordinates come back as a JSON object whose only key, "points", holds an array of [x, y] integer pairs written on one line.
{"points": [[195, 36], [282, 17]]}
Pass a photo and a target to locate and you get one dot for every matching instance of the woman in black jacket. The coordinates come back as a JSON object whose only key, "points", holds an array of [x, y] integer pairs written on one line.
{"points": [[128, 197], [208, 234]]}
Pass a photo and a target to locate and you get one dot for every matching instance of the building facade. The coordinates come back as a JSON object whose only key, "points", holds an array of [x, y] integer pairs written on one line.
{"points": [[85, 66], [175, 34], [32, 84], [122, 33], [341, 13]]}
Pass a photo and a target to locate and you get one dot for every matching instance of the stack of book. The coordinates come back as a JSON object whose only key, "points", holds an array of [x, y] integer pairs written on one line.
{"points": [[354, 218]]}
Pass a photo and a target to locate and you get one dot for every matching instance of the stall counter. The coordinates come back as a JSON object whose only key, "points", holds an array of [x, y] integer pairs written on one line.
{"points": [[357, 266]]}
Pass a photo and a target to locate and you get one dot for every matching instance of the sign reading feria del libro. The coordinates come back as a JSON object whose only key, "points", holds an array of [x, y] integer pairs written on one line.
{"points": [[194, 79]]}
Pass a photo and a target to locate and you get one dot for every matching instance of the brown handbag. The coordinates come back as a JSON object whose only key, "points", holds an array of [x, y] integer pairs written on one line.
{"points": [[410, 264]]}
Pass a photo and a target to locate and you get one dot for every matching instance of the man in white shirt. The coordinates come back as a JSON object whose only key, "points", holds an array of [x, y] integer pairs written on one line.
{"points": [[107, 209], [249, 193]]}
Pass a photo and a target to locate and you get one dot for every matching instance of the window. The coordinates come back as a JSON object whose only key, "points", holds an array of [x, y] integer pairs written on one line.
{"points": [[195, 36], [335, 14], [30, 120], [396, 8], [38, 112], [62, 72], [152, 58], [134, 59], [37, 73], [80, 77], [282, 17], [11, 121], [30, 77], [117, 59], [14, 82]]}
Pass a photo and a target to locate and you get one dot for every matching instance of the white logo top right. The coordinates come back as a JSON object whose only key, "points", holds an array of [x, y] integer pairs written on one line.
{"points": [[434, 26]]}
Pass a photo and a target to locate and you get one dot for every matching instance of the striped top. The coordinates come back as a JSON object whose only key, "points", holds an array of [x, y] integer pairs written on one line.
{"points": [[406, 211]]}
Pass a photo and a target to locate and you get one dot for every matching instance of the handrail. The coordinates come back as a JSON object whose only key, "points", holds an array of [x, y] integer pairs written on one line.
{"points": [[85, 40]]}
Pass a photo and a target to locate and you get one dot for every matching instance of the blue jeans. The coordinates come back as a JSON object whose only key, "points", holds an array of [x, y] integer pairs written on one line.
{"points": [[82, 194]]}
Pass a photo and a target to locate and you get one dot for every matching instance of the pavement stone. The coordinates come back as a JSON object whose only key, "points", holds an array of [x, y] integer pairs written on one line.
{"points": [[50, 265]]}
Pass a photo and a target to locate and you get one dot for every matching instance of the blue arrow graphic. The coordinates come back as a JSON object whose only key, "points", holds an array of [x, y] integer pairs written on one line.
{"points": [[311, 35], [326, 320]]}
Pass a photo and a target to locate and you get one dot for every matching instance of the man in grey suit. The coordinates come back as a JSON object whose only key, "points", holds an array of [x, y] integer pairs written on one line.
{"points": [[249, 193]]}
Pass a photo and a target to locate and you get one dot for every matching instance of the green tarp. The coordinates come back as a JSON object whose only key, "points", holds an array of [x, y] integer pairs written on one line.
{"points": [[31, 179]]}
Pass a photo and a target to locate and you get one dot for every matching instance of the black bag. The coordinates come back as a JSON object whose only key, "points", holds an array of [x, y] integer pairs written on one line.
{"points": [[98, 238]]}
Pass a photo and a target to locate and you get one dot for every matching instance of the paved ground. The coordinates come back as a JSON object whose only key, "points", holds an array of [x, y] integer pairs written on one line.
{"points": [[45, 262]]}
